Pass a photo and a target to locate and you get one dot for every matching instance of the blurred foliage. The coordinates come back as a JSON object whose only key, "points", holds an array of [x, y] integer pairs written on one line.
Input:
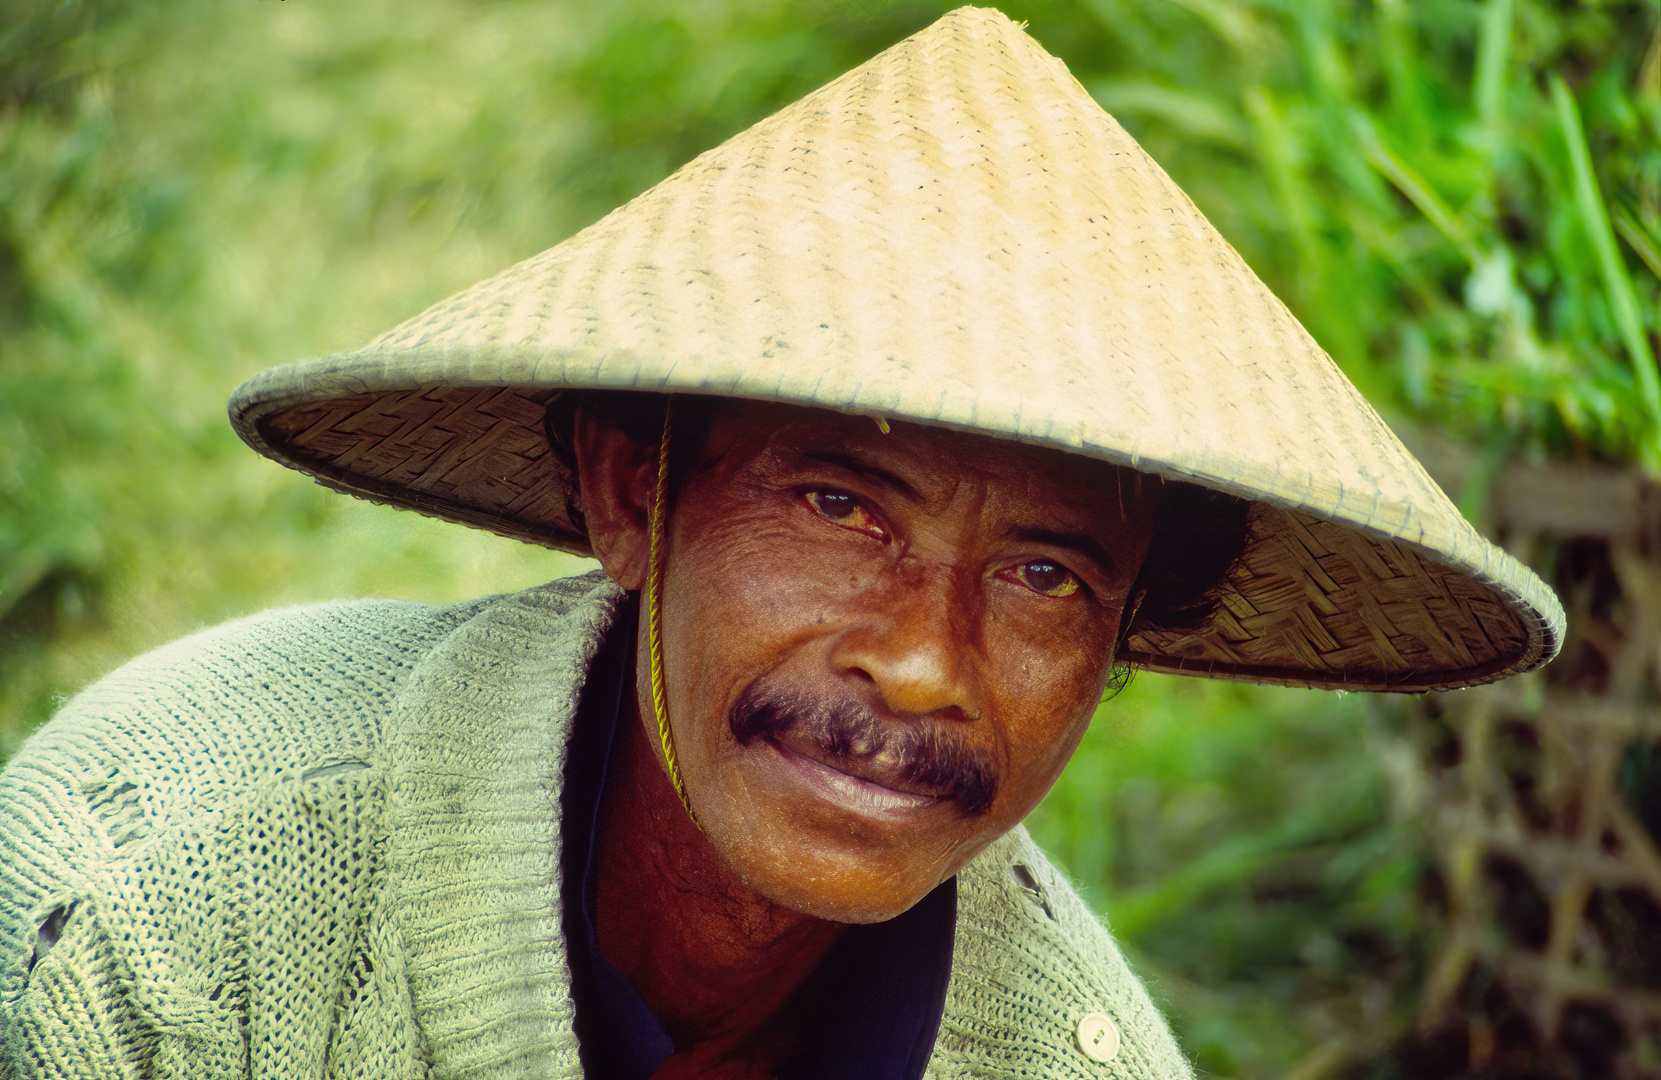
{"points": [[1241, 841], [1460, 198], [1418, 184]]}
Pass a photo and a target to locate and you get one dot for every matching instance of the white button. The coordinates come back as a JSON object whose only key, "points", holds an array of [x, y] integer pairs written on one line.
{"points": [[1098, 1037]]}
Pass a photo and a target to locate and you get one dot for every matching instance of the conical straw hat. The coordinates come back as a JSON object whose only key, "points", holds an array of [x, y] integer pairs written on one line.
{"points": [[955, 234]]}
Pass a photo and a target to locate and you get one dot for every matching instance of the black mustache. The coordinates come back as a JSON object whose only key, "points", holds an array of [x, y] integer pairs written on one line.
{"points": [[933, 759]]}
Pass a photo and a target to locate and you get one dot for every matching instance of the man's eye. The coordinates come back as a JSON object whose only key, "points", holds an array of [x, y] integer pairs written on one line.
{"points": [[840, 508], [1046, 577]]}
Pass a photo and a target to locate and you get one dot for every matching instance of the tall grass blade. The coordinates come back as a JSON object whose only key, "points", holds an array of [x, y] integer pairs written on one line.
{"points": [[1595, 219], [1638, 239], [1492, 55], [1418, 192]]}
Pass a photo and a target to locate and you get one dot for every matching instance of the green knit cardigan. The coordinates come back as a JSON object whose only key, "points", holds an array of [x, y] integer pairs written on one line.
{"points": [[324, 842]]}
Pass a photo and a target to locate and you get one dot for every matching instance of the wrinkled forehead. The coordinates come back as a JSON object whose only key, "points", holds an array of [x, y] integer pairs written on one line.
{"points": [[928, 465]]}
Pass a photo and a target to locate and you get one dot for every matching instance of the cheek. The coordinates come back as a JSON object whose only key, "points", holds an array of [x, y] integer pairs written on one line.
{"points": [[1045, 679], [1041, 758], [760, 577], [747, 586], [1046, 657]]}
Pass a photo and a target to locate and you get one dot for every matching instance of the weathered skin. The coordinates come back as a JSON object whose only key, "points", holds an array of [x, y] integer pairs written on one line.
{"points": [[942, 581]]}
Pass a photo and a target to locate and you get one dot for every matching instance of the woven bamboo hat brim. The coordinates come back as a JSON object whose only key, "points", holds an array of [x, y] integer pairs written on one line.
{"points": [[955, 234]]}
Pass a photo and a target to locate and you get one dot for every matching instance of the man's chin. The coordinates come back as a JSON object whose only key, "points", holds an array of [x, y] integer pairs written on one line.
{"points": [[828, 875], [838, 901]]}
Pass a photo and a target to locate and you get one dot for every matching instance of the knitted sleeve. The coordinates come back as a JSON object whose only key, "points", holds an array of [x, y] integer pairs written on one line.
{"points": [[77, 999], [51, 1022], [186, 844], [1033, 970]]}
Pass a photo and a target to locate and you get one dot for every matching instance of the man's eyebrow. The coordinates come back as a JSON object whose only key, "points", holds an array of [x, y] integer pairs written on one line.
{"points": [[1081, 542], [852, 463]]}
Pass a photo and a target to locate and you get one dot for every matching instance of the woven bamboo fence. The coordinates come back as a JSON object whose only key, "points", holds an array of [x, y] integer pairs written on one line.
{"points": [[1543, 796]]}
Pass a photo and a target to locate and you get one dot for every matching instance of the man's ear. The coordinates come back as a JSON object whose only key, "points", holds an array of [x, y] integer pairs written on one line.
{"points": [[617, 474]]}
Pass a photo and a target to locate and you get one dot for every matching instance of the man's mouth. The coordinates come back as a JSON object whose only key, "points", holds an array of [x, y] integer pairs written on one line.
{"points": [[846, 789], [852, 757]]}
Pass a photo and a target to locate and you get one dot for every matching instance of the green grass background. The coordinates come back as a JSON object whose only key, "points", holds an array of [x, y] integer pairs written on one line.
{"points": [[1460, 198]]}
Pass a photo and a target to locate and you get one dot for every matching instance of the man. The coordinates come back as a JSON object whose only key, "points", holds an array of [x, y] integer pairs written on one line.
{"points": [[894, 423]]}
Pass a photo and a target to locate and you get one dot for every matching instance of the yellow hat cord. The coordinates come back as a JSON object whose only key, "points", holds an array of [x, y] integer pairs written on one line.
{"points": [[654, 615]]}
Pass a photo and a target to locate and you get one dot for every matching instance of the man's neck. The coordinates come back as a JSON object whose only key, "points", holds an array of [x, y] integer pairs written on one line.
{"points": [[714, 960]]}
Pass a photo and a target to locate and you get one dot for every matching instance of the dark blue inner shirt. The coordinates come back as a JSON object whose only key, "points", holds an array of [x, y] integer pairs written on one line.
{"points": [[871, 1009]]}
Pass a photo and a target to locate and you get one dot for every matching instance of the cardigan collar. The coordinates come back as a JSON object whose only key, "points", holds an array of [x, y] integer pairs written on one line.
{"points": [[475, 754]]}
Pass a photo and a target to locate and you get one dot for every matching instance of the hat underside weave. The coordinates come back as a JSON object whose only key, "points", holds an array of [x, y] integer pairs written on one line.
{"points": [[1309, 603]]}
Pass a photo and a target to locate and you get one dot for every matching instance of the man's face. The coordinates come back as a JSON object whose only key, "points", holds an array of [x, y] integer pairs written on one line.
{"points": [[881, 649]]}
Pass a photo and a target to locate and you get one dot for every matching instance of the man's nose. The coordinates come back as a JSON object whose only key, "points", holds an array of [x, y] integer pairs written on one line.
{"points": [[917, 646]]}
